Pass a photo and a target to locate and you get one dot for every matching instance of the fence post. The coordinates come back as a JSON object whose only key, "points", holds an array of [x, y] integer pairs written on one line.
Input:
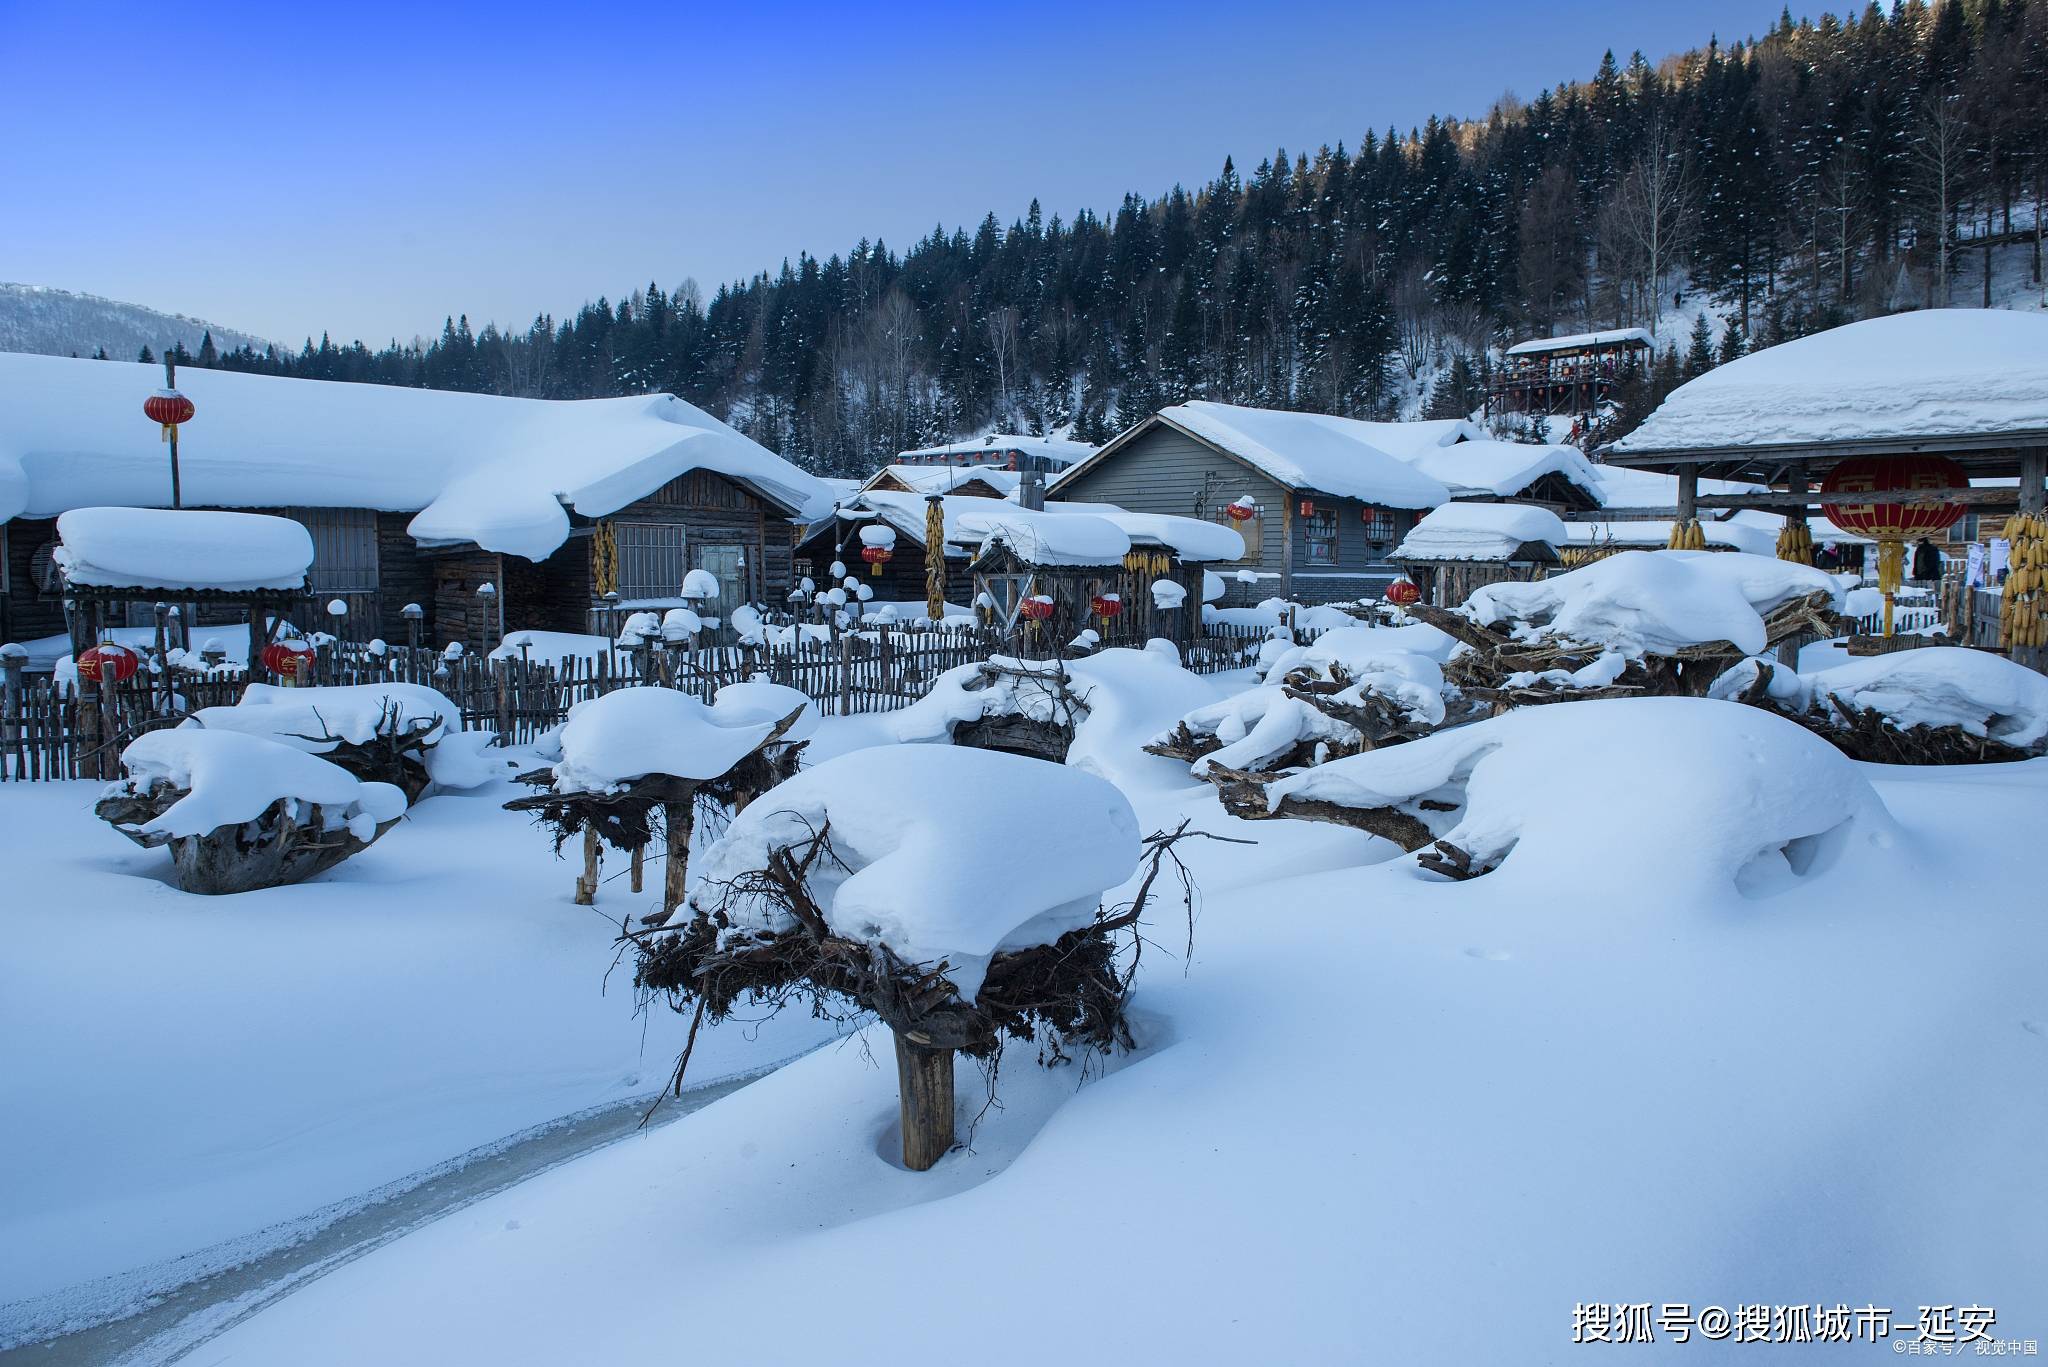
{"points": [[13, 658], [502, 672], [846, 674]]}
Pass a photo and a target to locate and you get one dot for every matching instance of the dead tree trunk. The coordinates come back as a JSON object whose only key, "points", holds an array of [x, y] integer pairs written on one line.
{"points": [[924, 1079], [678, 820], [593, 857]]}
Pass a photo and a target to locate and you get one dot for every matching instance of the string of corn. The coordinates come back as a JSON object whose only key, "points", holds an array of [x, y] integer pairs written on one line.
{"points": [[935, 560], [1795, 542], [604, 558], [2023, 612], [1687, 536]]}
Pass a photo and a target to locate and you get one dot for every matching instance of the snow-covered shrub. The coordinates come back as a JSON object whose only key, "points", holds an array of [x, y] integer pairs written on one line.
{"points": [[399, 733]]}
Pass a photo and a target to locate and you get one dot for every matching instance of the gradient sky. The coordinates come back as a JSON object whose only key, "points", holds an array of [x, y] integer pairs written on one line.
{"points": [[368, 168]]}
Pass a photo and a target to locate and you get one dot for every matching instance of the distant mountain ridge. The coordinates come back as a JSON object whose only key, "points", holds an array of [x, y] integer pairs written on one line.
{"points": [[54, 322]]}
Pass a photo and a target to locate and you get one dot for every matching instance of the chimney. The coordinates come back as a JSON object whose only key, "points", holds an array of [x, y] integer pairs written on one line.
{"points": [[1031, 491]]}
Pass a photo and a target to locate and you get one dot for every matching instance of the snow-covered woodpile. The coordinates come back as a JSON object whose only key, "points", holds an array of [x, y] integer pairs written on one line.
{"points": [[919, 883], [636, 752]]}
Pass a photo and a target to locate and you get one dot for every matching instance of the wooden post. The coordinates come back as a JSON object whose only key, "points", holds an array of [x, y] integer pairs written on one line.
{"points": [[678, 820], [639, 864], [1688, 494], [13, 658], [163, 651], [593, 862], [845, 673], [502, 669], [259, 631], [924, 1082]]}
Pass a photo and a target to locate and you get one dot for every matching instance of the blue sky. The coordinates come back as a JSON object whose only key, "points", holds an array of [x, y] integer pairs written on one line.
{"points": [[368, 168]]}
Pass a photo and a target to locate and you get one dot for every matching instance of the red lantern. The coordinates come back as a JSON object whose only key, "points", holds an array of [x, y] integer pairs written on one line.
{"points": [[876, 556], [1240, 512], [167, 408], [1107, 605], [108, 664], [1037, 609], [282, 658], [1402, 592], [1885, 474]]}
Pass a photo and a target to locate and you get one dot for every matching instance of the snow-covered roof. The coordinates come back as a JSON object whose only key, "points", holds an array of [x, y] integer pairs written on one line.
{"points": [[1480, 531], [185, 548], [1613, 337], [501, 472], [1056, 449], [1411, 441], [940, 479], [1940, 372], [1311, 451], [1655, 534], [1505, 468], [1092, 529]]}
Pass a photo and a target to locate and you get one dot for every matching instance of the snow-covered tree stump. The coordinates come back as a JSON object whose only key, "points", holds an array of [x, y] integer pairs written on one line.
{"points": [[644, 750], [913, 883], [241, 812]]}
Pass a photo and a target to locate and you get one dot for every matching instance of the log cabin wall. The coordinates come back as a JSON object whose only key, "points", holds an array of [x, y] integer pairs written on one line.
{"points": [[26, 611], [458, 612], [711, 510], [404, 575]]}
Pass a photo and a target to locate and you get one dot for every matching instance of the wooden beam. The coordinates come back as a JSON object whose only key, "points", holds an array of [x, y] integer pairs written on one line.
{"points": [[1772, 500], [1827, 453]]}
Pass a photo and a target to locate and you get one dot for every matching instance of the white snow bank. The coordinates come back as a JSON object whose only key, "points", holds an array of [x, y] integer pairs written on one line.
{"points": [[356, 714], [551, 646], [1310, 451], [1690, 792], [1654, 534], [502, 472], [1655, 602], [757, 700], [164, 548], [942, 853], [629, 733], [233, 777], [1985, 694], [1042, 538], [1189, 538], [1933, 372], [1480, 531]]}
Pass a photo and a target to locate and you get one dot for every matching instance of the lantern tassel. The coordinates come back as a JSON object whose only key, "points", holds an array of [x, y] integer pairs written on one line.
{"points": [[1891, 573]]}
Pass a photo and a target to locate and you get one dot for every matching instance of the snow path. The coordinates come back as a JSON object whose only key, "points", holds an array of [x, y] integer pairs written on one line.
{"points": [[173, 1324]]}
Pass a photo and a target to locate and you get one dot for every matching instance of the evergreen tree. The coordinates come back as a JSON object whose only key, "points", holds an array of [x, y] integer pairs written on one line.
{"points": [[1699, 357]]}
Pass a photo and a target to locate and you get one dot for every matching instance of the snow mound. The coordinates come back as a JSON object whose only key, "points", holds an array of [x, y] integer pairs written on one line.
{"points": [[1985, 694], [629, 733], [1655, 602], [1480, 531], [1935, 372], [1677, 797], [163, 548], [941, 854], [316, 720], [757, 700], [232, 777]]}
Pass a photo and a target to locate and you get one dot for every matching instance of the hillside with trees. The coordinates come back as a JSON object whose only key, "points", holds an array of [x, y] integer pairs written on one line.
{"points": [[1831, 169]]}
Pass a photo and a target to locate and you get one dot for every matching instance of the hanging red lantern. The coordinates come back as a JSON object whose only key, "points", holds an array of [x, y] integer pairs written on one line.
{"points": [[167, 408], [1888, 474], [1035, 608], [1107, 605], [1402, 592], [282, 658], [108, 664], [876, 556], [1240, 512]]}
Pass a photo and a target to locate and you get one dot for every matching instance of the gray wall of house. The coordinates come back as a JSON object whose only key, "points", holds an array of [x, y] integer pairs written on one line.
{"points": [[1163, 471], [1361, 564]]}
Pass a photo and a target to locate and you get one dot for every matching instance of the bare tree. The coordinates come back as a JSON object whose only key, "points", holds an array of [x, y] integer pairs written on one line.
{"points": [[1649, 216], [1002, 343], [1941, 155], [1841, 190]]}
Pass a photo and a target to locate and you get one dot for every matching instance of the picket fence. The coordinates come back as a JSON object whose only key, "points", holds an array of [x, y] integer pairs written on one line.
{"points": [[519, 697]]}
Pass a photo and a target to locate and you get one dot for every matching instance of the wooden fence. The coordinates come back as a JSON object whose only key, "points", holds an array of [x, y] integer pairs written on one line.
{"points": [[45, 735]]}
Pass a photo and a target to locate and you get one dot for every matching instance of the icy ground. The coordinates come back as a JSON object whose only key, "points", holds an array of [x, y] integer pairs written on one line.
{"points": [[1377, 1114]]}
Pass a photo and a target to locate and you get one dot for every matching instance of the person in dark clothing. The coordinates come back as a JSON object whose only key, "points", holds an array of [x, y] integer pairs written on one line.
{"points": [[1926, 562]]}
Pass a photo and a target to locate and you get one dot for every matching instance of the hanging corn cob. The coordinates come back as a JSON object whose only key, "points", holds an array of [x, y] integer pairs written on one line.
{"points": [[2023, 611], [1795, 542]]}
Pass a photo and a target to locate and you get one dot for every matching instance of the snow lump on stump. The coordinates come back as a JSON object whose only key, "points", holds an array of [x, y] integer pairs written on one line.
{"points": [[938, 853]]}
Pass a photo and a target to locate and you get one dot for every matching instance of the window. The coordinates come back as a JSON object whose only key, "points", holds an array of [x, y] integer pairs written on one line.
{"points": [[1319, 528], [344, 549], [1379, 523], [651, 563]]}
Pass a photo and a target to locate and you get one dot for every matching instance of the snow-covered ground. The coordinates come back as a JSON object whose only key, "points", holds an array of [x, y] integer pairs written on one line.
{"points": [[1734, 1022], [189, 1078]]}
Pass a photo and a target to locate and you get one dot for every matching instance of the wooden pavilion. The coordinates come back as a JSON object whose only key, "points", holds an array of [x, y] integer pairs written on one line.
{"points": [[1574, 374]]}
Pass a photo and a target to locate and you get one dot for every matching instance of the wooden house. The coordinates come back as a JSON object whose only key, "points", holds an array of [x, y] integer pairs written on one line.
{"points": [[1321, 501], [1574, 374], [964, 481], [1464, 545], [997, 555], [1035, 455], [410, 496]]}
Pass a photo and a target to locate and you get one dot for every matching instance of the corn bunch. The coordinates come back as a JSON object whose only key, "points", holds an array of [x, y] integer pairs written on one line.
{"points": [[1687, 536], [1795, 542], [2023, 615]]}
